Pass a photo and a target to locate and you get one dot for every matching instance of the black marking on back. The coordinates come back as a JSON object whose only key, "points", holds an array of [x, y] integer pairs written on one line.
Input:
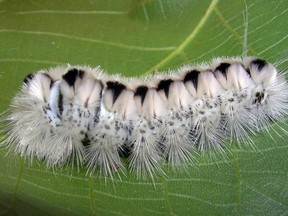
{"points": [[46, 75], [98, 108], [28, 78], [71, 76], [116, 89], [141, 91], [193, 77], [259, 63], [60, 103], [223, 68], [164, 85], [49, 77], [248, 71]]}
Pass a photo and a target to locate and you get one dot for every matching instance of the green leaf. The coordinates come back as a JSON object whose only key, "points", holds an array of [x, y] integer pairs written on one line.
{"points": [[135, 38]]}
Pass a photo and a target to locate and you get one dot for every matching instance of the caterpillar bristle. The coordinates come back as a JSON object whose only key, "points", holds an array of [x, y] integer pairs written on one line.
{"points": [[84, 117]]}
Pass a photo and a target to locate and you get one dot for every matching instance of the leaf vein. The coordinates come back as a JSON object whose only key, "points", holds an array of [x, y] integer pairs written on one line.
{"points": [[187, 40], [124, 46]]}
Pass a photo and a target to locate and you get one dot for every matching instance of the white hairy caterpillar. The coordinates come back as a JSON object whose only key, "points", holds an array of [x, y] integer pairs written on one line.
{"points": [[79, 114]]}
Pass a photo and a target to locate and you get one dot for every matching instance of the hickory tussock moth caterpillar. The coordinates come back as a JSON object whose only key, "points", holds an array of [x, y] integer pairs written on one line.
{"points": [[80, 114]]}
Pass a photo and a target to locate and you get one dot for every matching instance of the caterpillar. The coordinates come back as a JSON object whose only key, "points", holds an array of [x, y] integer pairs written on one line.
{"points": [[82, 115]]}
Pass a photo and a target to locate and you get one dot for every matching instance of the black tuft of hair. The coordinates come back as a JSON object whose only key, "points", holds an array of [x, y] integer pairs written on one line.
{"points": [[71, 76], [28, 78], [141, 91], [193, 77], [223, 68], [259, 63], [164, 85], [116, 89]]}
